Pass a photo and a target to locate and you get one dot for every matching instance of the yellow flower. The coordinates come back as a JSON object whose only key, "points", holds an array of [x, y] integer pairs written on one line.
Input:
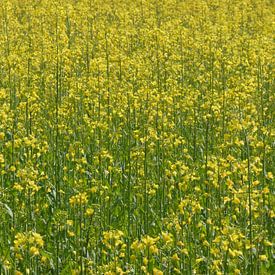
{"points": [[167, 237], [148, 241], [18, 187], [267, 243], [89, 212], [38, 239], [176, 270], [199, 260], [145, 261], [2, 160], [2, 136], [226, 199], [20, 240], [44, 259], [157, 271], [70, 233], [136, 245], [265, 190], [232, 253], [263, 258], [175, 257], [206, 243], [70, 222], [34, 251], [12, 168], [143, 268], [184, 251], [236, 200], [79, 199], [153, 249], [93, 189]]}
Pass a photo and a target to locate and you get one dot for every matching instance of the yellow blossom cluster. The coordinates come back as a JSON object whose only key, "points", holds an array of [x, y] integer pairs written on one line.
{"points": [[137, 137]]}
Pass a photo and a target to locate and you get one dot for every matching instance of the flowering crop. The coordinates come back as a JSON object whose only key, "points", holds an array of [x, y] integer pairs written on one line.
{"points": [[137, 137]]}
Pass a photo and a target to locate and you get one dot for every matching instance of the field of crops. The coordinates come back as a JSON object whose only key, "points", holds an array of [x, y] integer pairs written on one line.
{"points": [[137, 137]]}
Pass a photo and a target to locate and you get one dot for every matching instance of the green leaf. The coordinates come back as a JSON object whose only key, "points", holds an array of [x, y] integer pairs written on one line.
{"points": [[8, 210]]}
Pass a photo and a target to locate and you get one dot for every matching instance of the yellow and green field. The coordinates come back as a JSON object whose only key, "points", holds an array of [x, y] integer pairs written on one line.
{"points": [[137, 137]]}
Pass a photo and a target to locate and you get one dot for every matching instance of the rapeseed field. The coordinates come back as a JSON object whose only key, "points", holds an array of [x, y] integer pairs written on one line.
{"points": [[137, 137]]}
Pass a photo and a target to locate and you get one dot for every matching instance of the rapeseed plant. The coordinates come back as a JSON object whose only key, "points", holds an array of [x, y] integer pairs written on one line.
{"points": [[137, 137]]}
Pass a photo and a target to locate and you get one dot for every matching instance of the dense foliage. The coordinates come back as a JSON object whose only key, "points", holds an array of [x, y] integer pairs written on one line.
{"points": [[137, 137]]}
